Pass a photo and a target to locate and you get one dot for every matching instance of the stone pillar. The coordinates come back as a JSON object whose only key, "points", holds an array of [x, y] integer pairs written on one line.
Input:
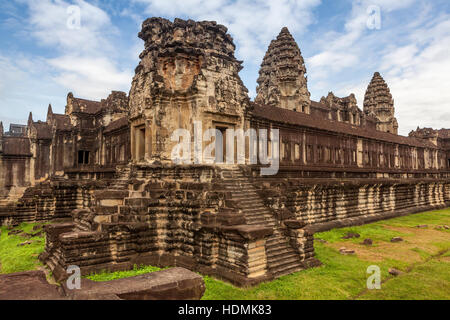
{"points": [[242, 254], [301, 239]]}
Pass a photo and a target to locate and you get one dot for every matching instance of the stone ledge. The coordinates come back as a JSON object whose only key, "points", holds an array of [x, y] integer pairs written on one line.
{"points": [[170, 284], [31, 285], [358, 221], [294, 224], [248, 232]]}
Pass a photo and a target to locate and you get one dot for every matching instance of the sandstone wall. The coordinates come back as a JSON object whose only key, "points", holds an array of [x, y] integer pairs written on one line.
{"points": [[328, 204], [41, 203]]}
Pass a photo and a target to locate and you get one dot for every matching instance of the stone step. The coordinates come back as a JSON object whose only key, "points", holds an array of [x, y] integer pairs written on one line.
{"points": [[245, 195], [276, 247], [257, 213], [281, 262], [261, 219], [259, 209], [257, 205], [240, 189], [243, 183], [282, 255], [107, 210], [287, 269], [275, 241], [256, 222], [250, 200], [254, 207]]}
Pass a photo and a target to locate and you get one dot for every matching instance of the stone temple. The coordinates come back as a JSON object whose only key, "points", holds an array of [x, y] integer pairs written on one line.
{"points": [[102, 171]]}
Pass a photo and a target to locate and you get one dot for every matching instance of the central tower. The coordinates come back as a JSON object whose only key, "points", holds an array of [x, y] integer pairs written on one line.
{"points": [[188, 73], [378, 101]]}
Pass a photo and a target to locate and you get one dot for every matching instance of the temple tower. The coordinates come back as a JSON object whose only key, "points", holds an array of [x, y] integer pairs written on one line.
{"points": [[282, 78], [187, 74], [378, 102], [1, 136]]}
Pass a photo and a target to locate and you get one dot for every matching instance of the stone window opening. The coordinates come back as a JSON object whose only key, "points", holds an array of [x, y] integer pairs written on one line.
{"points": [[220, 151], [328, 156], [319, 153], [297, 151], [309, 154], [140, 143], [337, 156], [448, 163], [83, 157]]}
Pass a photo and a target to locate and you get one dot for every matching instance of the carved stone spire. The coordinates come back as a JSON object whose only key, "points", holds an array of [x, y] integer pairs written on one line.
{"points": [[282, 78], [30, 119], [1, 137], [378, 101]]}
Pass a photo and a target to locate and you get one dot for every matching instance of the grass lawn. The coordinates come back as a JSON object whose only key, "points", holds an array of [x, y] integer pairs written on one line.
{"points": [[15, 258], [423, 258]]}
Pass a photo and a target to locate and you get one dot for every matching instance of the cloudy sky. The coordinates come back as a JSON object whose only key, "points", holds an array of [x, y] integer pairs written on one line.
{"points": [[47, 49]]}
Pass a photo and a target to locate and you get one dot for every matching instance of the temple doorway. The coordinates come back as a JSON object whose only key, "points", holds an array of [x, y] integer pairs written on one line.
{"points": [[221, 145], [140, 143]]}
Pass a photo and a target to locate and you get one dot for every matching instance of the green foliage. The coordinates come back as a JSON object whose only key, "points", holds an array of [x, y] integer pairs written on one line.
{"points": [[340, 277], [15, 258], [428, 281], [431, 218], [107, 276], [375, 231]]}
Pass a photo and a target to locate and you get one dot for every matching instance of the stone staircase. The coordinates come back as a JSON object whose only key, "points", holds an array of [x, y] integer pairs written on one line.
{"points": [[14, 195], [110, 199], [282, 259]]}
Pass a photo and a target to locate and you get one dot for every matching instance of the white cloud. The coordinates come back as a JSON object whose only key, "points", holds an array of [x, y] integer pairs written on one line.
{"points": [[420, 83], [94, 77], [341, 50], [49, 24], [25, 86], [85, 60], [253, 24], [417, 72]]}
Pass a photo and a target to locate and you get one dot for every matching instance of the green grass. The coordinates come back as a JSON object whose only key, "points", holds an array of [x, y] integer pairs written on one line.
{"points": [[428, 281], [17, 259], [375, 231], [424, 257], [107, 276]]}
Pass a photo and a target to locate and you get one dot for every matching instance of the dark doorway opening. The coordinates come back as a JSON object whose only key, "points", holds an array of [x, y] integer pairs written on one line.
{"points": [[83, 157], [140, 140], [221, 145]]}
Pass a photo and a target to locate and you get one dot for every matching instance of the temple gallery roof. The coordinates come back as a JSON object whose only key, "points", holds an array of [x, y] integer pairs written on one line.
{"points": [[43, 130], [116, 125], [305, 120], [86, 106], [16, 146]]}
